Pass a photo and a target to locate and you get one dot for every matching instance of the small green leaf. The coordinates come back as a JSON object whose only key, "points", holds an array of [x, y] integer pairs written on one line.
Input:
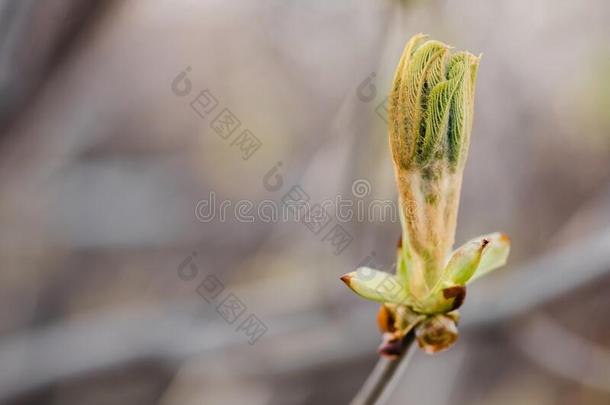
{"points": [[464, 262], [495, 254], [377, 286], [470, 261]]}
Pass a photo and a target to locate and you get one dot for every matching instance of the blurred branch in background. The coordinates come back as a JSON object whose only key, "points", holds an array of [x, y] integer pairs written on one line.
{"points": [[174, 334], [567, 354], [540, 281], [33, 37]]}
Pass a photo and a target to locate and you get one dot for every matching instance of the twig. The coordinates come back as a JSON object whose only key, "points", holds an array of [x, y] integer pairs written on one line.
{"points": [[380, 383]]}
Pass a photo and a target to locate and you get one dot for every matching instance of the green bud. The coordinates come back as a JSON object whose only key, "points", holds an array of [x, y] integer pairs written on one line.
{"points": [[430, 116], [431, 104], [430, 120]]}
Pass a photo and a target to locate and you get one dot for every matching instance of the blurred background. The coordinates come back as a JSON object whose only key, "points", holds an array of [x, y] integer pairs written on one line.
{"points": [[126, 125]]}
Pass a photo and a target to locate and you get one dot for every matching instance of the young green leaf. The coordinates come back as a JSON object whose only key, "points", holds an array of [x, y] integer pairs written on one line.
{"points": [[464, 262], [377, 286], [494, 256]]}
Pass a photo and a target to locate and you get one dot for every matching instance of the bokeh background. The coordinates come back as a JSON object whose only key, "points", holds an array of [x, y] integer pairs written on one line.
{"points": [[105, 265]]}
